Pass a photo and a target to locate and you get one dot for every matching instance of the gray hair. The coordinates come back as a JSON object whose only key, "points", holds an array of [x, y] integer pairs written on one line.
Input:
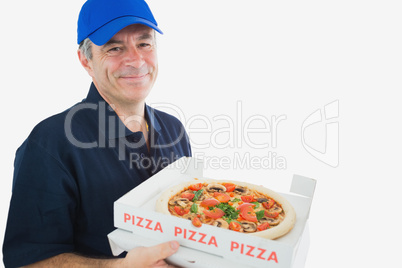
{"points": [[86, 48]]}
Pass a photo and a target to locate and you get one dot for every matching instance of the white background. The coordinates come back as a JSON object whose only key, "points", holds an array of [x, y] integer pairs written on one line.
{"points": [[275, 58]]}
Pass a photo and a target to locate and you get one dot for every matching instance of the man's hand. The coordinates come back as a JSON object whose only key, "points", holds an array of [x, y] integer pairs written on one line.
{"points": [[142, 257], [147, 257]]}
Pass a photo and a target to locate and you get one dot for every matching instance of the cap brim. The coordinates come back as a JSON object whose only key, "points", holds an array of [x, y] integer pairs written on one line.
{"points": [[107, 31]]}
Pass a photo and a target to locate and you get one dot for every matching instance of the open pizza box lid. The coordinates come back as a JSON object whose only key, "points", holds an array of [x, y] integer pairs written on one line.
{"points": [[207, 246]]}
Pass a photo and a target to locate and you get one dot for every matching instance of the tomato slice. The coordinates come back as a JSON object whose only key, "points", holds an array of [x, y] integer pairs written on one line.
{"points": [[229, 186], [196, 222], [268, 204], [210, 202], [216, 213], [270, 214], [263, 226], [235, 226], [181, 211], [247, 198], [187, 195], [195, 187], [221, 197], [244, 205], [248, 214]]}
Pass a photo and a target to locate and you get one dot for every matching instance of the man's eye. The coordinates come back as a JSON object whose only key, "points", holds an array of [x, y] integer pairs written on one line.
{"points": [[114, 49], [145, 45]]}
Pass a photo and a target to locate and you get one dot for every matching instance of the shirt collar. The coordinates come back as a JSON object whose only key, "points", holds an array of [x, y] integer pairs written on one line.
{"points": [[109, 122]]}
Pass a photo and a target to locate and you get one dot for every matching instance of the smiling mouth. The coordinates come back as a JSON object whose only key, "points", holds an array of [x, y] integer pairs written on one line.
{"points": [[134, 77]]}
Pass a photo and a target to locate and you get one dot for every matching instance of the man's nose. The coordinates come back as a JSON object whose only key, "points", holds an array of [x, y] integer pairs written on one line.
{"points": [[134, 57]]}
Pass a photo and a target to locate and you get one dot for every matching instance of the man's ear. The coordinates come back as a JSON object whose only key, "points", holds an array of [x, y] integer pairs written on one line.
{"points": [[87, 64]]}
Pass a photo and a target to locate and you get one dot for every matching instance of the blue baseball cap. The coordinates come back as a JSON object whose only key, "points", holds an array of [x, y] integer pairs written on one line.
{"points": [[100, 20]]}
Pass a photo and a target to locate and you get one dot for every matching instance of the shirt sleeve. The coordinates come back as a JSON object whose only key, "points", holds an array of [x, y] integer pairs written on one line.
{"points": [[42, 209]]}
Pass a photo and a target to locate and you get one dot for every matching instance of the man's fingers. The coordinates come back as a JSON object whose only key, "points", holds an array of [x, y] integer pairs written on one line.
{"points": [[159, 252], [151, 256], [164, 250]]}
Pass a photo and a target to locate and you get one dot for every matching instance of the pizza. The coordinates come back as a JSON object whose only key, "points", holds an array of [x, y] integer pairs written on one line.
{"points": [[232, 205]]}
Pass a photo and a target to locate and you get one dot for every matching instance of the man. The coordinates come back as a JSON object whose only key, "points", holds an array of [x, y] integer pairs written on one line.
{"points": [[74, 165]]}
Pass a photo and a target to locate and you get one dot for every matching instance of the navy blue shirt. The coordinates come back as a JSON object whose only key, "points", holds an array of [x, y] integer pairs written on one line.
{"points": [[71, 169]]}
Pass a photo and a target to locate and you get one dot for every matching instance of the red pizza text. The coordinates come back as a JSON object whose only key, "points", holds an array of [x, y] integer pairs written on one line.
{"points": [[195, 236], [143, 223], [255, 252]]}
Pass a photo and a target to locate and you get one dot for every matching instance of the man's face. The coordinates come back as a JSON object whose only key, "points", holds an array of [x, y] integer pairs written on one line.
{"points": [[125, 68]]}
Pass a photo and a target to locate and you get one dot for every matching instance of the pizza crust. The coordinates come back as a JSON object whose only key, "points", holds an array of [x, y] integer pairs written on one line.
{"points": [[283, 228]]}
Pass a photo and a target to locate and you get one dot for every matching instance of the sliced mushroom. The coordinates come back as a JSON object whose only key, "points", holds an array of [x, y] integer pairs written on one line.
{"points": [[249, 226], [260, 200], [221, 224], [172, 201], [275, 208], [189, 216], [271, 221], [216, 188], [241, 190], [183, 202]]}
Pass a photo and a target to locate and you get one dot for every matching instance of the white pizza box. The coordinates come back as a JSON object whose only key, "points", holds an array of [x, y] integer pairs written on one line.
{"points": [[121, 240], [140, 225]]}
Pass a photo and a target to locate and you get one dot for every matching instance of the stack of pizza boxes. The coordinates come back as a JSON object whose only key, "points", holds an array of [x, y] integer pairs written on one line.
{"points": [[138, 224]]}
